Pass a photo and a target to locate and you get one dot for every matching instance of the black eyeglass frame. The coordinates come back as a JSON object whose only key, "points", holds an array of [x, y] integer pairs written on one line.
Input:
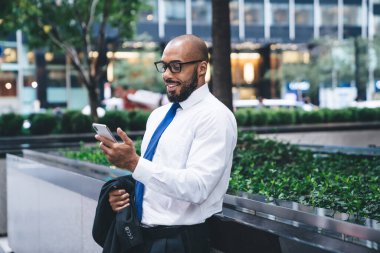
{"points": [[168, 65]]}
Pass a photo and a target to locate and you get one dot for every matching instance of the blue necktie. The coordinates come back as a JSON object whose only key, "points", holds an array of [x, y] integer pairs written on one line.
{"points": [[149, 153]]}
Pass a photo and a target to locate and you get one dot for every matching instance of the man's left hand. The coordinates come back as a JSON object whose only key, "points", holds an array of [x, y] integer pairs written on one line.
{"points": [[122, 155]]}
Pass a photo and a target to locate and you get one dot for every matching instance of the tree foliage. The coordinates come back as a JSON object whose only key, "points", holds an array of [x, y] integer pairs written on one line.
{"points": [[76, 28], [139, 74]]}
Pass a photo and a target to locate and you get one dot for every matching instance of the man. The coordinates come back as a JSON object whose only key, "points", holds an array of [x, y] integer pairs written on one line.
{"points": [[187, 177]]}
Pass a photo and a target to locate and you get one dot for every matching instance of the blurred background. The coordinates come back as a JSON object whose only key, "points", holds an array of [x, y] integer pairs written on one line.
{"points": [[323, 52]]}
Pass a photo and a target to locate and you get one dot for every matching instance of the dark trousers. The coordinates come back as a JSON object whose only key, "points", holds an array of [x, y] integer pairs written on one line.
{"points": [[175, 239]]}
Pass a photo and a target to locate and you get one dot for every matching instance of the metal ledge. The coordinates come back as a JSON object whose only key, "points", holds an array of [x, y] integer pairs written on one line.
{"points": [[369, 232]]}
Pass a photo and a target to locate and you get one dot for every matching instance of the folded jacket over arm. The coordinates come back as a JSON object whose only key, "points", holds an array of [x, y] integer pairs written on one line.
{"points": [[116, 232]]}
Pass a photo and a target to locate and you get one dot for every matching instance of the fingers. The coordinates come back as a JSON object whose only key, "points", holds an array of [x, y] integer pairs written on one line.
{"points": [[106, 150], [107, 142], [117, 209], [124, 136], [118, 200]]}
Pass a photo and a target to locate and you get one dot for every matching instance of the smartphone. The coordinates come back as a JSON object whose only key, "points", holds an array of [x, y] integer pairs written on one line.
{"points": [[103, 130]]}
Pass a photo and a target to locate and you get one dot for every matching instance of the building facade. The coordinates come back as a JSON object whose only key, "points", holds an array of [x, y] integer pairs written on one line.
{"points": [[263, 21], [264, 35]]}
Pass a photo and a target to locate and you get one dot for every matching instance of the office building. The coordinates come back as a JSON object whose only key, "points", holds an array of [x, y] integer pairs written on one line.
{"points": [[264, 34]]}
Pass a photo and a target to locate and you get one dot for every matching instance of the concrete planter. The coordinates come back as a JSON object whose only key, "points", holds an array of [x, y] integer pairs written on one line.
{"points": [[56, 197]]}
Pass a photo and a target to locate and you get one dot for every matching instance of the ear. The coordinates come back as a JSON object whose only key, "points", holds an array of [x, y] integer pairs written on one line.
{"points": [[202, 68]]}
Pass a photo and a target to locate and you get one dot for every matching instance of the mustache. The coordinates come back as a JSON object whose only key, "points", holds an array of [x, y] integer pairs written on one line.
{"points": [[172, 82]]}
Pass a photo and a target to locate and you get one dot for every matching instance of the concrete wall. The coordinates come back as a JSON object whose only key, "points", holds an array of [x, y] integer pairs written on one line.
{"points": [[352, 138], [50, 209], [3, 198]]}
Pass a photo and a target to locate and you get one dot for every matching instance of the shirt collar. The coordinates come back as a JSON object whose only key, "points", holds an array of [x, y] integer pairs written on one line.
{"points": [[195, 97]]}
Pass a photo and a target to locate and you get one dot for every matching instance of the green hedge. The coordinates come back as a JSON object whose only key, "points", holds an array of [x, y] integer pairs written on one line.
{"points": [[343, 183], [75, 122], [264, 116], [138, 119], [115, 119], [71, 121], [11, 124], [94, 154], [42, 123]]}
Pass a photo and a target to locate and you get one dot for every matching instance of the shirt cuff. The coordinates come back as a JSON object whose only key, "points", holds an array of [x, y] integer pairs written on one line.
{"points": [[143, 171]]}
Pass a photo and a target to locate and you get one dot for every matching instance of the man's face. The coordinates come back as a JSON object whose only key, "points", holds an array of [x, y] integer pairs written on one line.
{"points": [[178, 90], [179, 86]]}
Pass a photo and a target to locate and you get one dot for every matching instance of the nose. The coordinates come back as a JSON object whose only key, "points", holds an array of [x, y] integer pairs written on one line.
{"points": [[167, 74]]}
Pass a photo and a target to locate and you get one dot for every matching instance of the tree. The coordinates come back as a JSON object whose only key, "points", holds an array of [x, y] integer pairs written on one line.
{"points": [[76, 28], [221, 51]]}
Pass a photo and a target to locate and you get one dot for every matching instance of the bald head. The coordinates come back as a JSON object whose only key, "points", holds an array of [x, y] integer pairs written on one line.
{"points": [[191, 47]]}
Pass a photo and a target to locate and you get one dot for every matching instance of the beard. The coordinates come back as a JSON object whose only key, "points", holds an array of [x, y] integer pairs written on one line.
{"points": [[186, 88]]}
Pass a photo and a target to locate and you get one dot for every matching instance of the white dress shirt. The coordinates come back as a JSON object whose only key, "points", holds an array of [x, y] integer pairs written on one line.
{"points": [[189, 174]]}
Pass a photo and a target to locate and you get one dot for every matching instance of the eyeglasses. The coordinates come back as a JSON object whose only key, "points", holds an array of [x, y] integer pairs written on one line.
{"points": [[174, 66]]}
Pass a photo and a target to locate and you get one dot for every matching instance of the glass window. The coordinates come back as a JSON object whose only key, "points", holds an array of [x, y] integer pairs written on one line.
{"points": [[234, 12], [245, 68], [254, 14], [201, 12], [56, 76], [376, 20], [10, 55], [280, 14], [149, 12], [175, 11], [329, 15], [295, 57], [352, 15], [304, 15], [8, 84]]}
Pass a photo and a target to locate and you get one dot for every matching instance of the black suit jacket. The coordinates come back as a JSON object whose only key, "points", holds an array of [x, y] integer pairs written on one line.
{"points": [[116, 232]]}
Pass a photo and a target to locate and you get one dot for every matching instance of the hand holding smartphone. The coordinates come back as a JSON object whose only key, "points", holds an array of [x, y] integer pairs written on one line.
{"points": [[104, 131]]}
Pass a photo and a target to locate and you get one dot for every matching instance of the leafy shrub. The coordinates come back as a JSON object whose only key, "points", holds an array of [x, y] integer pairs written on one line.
{"points": [[11, 124], [340, 115], [241, 116], [88, 154], [367, 114], [311, 117], [81, 123], [43, 123], [94, 154], [354, 113], [344, 183], [377, 112], [249, 112], [114, 119], [259, 117], [283, 117], [67, 121], [138, 119]]}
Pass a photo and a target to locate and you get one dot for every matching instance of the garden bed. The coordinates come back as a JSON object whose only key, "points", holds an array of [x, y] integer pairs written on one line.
{"points": [[343, 183]]}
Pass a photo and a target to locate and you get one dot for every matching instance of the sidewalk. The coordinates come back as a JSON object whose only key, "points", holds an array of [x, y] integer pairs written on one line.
{"points": [[4, 247]]}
